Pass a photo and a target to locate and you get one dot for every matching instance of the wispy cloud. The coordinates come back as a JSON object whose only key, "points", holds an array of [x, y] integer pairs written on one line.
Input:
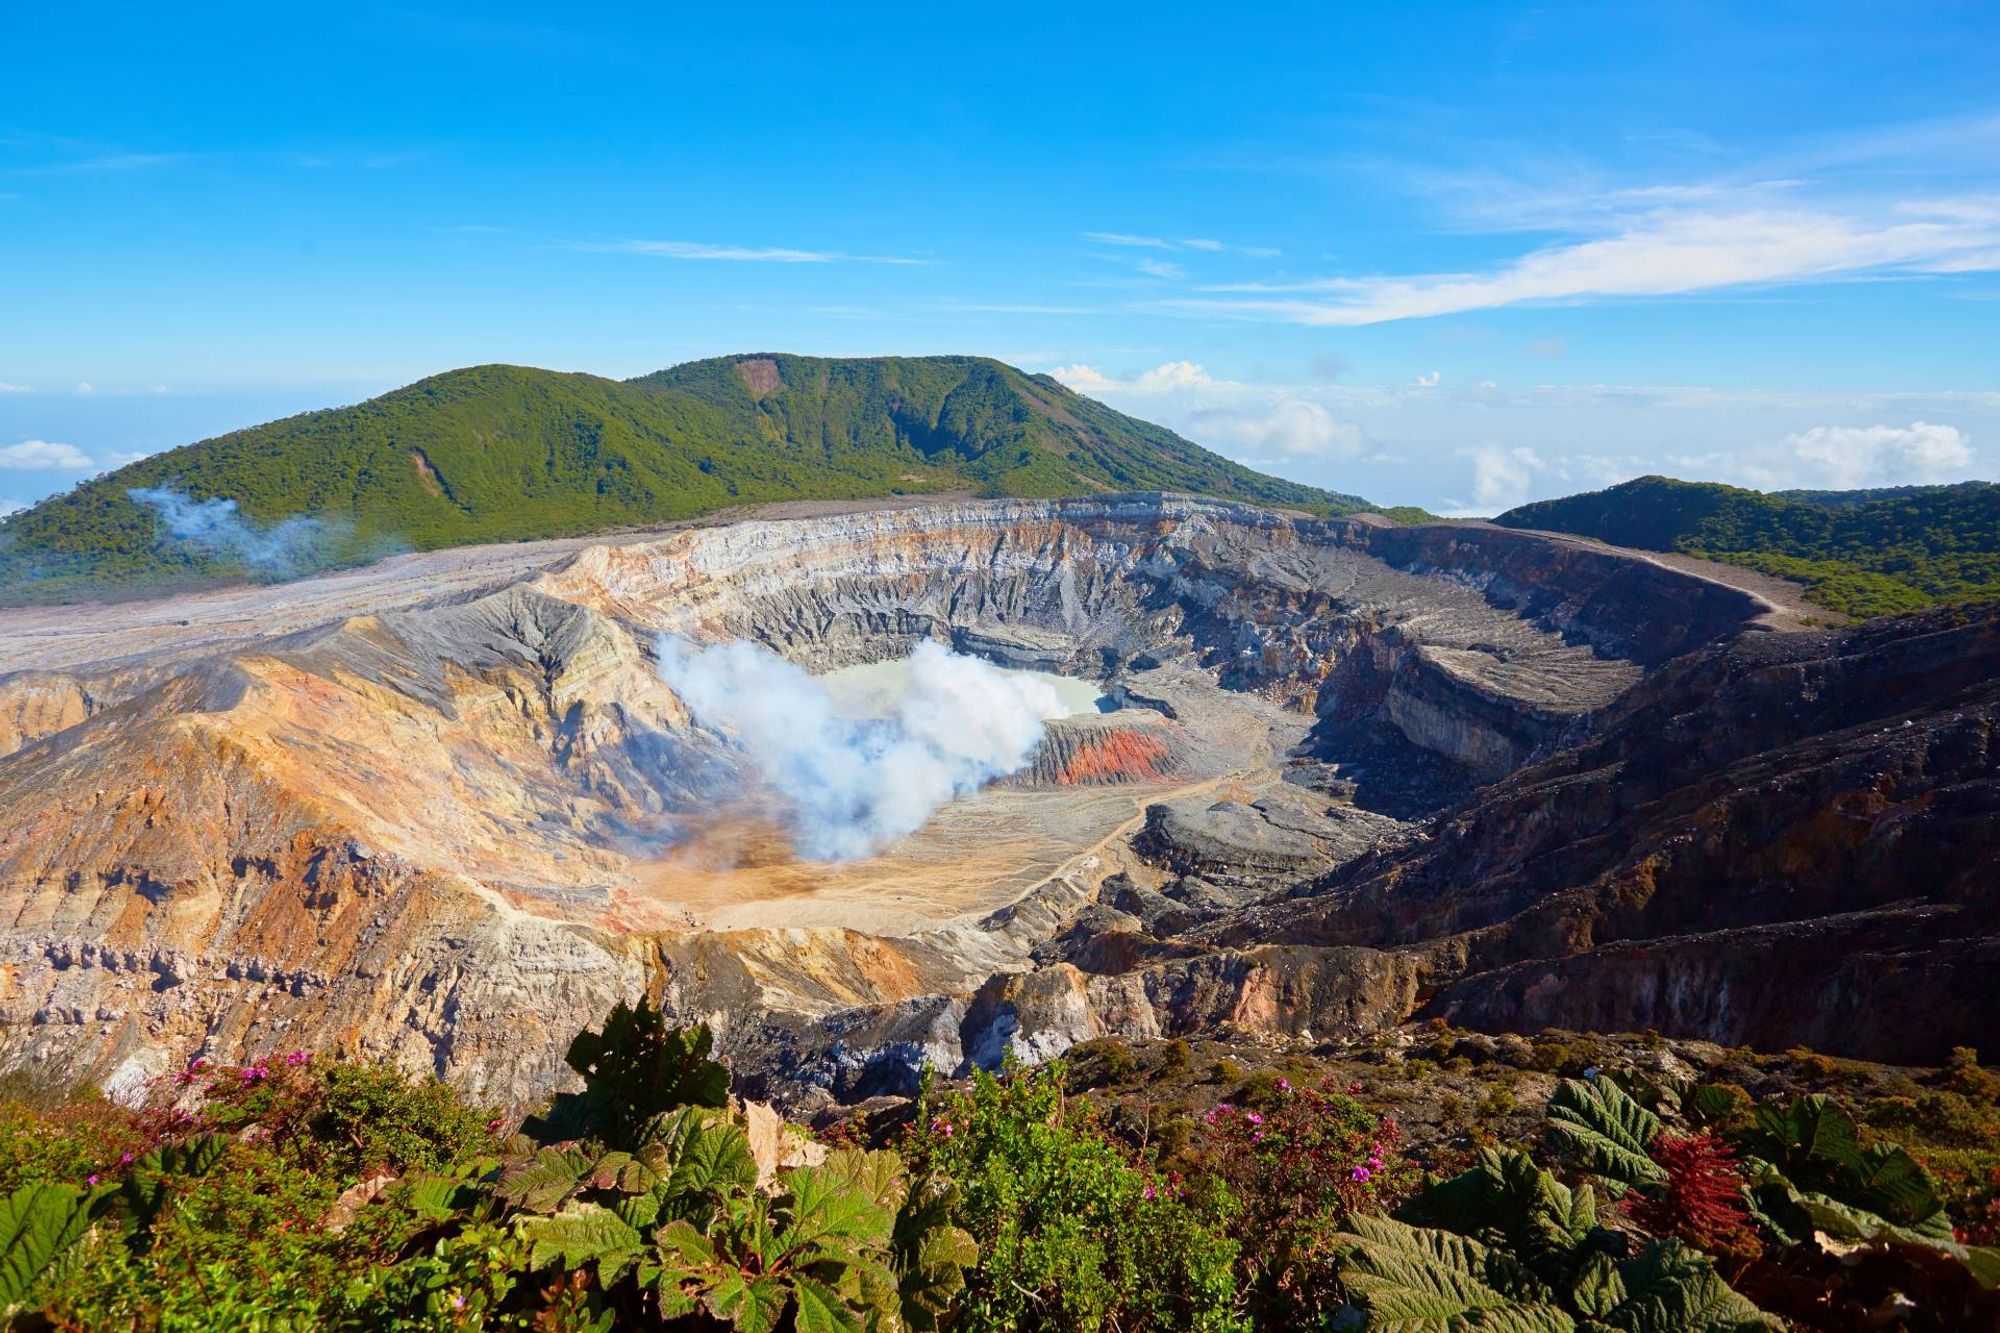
{"points": [[740, 254], [1661, 253], [44, 456], [15, 388], [100, 163], [1132, 241]]}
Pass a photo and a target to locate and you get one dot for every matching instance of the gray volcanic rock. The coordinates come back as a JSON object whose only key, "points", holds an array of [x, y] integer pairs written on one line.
{"points": [[1786, 837], [1285, 831]]}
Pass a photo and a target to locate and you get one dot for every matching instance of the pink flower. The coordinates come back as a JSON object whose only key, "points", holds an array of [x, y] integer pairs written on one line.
{"points": [[1361, 1173], [297, 1058], [1253, 1117], [125, 1159], [90, 1180], [458, 1302], [1148, 1192], [1284, 1085]]}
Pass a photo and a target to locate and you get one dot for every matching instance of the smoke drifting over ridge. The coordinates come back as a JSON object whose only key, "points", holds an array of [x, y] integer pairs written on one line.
{"points": [[853, 785], [288, 547]]}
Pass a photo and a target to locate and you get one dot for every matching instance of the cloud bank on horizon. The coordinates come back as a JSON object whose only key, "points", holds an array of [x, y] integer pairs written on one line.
{"points": [[1535, 441]]}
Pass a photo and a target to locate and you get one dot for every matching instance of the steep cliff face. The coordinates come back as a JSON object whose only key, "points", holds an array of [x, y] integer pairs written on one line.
{"points": [[1784, 834], [447, 832]]}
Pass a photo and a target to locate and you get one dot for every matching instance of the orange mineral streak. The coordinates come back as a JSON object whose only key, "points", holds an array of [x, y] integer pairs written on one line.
{"points": [[1118, 756]]}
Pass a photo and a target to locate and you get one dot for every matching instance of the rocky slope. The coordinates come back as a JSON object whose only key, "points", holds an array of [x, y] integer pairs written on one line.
{"points": [[1355, 772]]}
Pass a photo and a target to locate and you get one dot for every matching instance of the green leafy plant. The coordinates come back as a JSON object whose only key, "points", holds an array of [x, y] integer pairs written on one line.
{"points": [[634, 1068], [1606, 1132], [1513, 1248], [40, 1224]]}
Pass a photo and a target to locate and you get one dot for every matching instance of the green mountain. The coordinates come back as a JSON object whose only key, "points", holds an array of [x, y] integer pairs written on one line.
{"points": [[506, 453], [1865, 553]]}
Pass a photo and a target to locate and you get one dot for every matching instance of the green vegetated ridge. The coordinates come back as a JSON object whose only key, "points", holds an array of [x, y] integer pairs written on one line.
{"points": [[1863, 553], [506, 453], [1147, 1188]]}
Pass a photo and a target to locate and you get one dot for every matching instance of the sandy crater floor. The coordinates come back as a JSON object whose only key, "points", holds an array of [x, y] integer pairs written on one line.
{"points": [[734, 869]]}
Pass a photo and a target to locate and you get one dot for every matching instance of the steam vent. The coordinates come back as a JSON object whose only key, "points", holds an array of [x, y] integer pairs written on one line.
{"points": [[1299, 774]]}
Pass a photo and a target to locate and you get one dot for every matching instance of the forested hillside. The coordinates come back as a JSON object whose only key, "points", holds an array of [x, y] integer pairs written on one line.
{"points": [[497, 453], [1864, 553]]}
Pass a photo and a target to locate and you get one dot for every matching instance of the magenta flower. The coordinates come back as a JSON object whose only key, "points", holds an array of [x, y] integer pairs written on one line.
{"points": [[125, 1159], [90, 1180], [1253, 1117], [1284, 1085], [1361, 1173], [1148, 1193], [297, 1058]]}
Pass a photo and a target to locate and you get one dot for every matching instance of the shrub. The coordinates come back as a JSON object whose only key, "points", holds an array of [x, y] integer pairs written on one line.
{"points": [[1296, 1166], [1702, 1200], [1071, 1237], [1964, 1076]]}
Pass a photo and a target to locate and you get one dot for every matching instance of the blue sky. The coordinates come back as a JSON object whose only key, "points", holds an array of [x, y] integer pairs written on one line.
{"points": [[1456, 255]]}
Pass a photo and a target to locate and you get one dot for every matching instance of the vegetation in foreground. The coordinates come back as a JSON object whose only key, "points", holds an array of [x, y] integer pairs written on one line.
{"points": [[509, 453], [1862, 553], [1163, 1187]]}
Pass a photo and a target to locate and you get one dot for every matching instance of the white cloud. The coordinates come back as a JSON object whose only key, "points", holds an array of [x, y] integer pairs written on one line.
{"points": [[1164, 378], [1501, 476], [1172, 375], [1084, 379], [1852, 456], [44, 455], [86, 388], [748, 254], [14, 388], [1657, 253], [1161, 268], [10, 507], [1428, 381], [1295, 427]]}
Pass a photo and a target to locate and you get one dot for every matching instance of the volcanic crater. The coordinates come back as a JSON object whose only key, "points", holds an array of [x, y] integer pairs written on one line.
{"points": [[444, 811]]}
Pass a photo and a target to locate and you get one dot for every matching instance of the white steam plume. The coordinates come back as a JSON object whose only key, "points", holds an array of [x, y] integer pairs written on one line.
{"points": [[853, 785], [286, 547]]}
